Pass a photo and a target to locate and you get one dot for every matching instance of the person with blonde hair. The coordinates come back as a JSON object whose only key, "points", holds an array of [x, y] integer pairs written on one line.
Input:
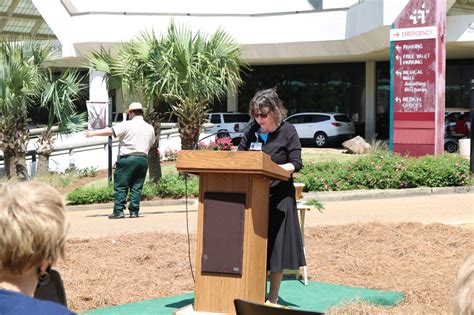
{"points": [[33, 230], [464, 287]]}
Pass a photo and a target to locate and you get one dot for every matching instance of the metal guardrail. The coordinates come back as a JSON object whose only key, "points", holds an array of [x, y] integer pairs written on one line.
{"points": [[93, 144], [38, 131]]}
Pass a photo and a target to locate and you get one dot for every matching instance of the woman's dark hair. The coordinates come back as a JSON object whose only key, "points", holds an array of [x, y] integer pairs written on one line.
{"points": [[268, 99]]}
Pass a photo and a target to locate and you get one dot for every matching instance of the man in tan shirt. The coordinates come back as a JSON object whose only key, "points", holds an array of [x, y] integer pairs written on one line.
{"points": [[136, 138]]}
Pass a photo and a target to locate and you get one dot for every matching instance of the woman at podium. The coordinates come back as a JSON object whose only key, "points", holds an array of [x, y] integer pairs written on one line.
{"points": [[270, 134]]}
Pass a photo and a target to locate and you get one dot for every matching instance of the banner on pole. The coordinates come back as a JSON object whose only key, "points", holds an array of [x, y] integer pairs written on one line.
{"points": [[97, 115]]}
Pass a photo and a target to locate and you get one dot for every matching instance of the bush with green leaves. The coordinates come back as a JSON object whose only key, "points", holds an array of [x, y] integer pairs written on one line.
{"points": [[58, 180], [90, 171], [383, 170], [437, 171], [91, 194], [169, 186]]}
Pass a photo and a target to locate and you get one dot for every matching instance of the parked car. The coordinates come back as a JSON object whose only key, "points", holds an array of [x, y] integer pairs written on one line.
{"points": [[452, 114], [322, 128], [451, 138], [230, 124], [451, 142]]}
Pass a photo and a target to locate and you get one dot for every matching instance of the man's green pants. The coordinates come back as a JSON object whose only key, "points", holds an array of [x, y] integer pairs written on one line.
{"points": [[130, 172]]}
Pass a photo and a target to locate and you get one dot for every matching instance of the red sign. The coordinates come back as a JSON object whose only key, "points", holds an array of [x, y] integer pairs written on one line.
{"points": [[414, 76], [418, 69]]}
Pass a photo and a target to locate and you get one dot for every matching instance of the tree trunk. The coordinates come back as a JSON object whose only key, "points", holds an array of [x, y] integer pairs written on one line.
{"points": [[44, 148], [15, 137], [15, 165], [42, 168], [154, 166], [7, 160], [191, 117], [189, 134]]}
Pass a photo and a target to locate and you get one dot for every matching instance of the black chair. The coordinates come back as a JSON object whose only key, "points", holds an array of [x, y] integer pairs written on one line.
{"points": [[249, 308], [53, 290]]}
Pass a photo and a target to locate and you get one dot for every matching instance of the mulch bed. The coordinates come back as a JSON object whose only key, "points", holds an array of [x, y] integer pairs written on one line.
{"points": [[419, 260]]}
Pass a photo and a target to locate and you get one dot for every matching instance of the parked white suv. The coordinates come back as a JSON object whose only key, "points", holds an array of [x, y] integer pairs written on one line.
{"points": [[230, 123], [322, 128]]}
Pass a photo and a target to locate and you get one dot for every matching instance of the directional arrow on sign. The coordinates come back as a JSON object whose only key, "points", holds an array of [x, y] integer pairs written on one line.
{"points": [[397, 99], [399, 48], [399, 58], [399, 73]]}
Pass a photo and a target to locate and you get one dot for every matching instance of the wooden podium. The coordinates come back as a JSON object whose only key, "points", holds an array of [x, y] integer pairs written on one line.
{"points": [[232, 225]]}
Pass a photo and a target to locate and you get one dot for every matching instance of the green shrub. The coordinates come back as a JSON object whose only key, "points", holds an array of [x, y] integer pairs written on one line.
{"points": [[58, 180], [170, 186], [91, 194], [90, 171], [382, 170], [439, 171]]}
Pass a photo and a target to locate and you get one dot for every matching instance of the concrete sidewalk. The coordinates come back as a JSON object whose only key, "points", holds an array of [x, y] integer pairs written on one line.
{"points": [[445, 205]]}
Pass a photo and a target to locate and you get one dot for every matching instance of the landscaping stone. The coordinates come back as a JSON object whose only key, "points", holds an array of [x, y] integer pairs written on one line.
{"points": [[356, 145]]}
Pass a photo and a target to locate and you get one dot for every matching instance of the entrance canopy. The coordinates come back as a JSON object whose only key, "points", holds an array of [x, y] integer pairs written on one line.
{"points": [[21, 18]]}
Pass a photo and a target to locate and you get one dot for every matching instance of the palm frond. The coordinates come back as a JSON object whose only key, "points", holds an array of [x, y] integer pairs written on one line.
{"points": [[60, 95], [73, 123]]}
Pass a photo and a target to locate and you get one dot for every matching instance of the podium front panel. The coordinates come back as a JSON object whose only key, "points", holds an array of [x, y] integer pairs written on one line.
{"points": [[223, 233], [216, 291]]}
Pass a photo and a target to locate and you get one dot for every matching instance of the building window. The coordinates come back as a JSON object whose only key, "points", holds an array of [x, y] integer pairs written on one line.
{"points": [[309, 87]]}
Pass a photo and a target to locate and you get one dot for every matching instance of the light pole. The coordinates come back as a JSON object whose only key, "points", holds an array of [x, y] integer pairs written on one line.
{"points": [[109, 142], [472, 126]]}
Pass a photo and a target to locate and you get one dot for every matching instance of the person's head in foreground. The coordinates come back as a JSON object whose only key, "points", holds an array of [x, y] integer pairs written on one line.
{"points": [[267, 109], [32, 237], [464, 287]]}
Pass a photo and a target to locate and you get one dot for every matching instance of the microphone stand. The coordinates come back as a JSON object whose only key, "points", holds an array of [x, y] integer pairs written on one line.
{"points": [[195, 146], [249, 124]]}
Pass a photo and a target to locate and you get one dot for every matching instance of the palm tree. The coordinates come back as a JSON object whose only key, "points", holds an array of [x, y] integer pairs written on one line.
{"points": [[21, 75], [190, 71], [58, 97], [128, 73]]}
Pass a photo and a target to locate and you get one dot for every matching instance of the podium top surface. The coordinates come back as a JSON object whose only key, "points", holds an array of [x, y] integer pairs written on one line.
{"points": [[241, 162]]}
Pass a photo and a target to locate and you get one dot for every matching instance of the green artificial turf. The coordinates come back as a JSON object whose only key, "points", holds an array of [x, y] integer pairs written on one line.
{"points": [[315, 296]]}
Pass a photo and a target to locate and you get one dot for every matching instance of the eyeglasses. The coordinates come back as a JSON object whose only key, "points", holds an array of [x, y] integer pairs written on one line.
{"points": [[261, 115]]}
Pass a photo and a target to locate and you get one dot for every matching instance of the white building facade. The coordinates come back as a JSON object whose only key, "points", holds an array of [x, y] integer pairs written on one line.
{"points": [[322, 55]]}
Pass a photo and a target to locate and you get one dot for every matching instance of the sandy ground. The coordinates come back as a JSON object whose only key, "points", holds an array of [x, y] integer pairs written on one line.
{"points": [[447, 209], [419, 260], [368, 243]]}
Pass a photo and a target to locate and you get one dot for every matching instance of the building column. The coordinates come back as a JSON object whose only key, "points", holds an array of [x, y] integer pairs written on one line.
{"points": [[370, 90], [232, 101], [98, 87]]}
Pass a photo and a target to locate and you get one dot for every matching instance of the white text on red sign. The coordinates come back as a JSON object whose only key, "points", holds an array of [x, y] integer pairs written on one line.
{"points": [[412, 33]]}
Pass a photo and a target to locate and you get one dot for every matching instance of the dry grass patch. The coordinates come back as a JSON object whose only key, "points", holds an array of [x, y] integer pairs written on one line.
{"points": [[419, 260]]}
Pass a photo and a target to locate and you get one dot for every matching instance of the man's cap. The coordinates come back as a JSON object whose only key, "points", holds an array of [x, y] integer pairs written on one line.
{"points": [[134, 106]]}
